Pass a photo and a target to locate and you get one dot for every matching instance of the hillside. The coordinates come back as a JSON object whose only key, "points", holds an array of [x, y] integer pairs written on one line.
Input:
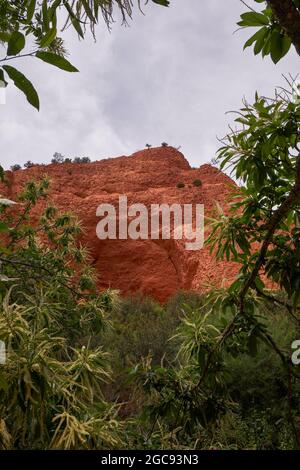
{"points": [[155, 267]]}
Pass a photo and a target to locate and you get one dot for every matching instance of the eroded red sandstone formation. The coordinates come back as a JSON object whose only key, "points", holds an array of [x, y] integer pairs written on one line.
{"points": [[155, 267]]}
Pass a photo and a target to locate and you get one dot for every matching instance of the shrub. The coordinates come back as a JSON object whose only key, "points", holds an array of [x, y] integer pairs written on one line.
{"points": [[164, 144], [249, 408], [81, 160], [142, 327], [176, 304], [28, 164], [197, 183], [51, 384], [180, 185], [15, 167], [68, 160], [57, 158]]}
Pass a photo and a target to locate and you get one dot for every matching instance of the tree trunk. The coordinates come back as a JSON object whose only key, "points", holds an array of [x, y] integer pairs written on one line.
{"points": [[289, 18]]}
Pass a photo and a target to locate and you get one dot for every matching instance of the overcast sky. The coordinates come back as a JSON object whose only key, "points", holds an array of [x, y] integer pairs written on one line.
{"points": [[171, 76]]}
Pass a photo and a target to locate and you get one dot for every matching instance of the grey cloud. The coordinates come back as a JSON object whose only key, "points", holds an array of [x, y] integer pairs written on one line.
{"points": [[170, 76]]}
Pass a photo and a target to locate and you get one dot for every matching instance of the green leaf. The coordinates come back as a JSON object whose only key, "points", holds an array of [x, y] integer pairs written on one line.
{"points": [[74, 20], [261, 33], [56, 60], [45, 15], [16, 43], [286, 45], [53, 8], [267, 46], [164, 3], [280, 46], [23, 84], [48, 38], [4, 36], [88, 10], [252, 18], [259, 44], [31, 10], [259, 283], [2, 79]]}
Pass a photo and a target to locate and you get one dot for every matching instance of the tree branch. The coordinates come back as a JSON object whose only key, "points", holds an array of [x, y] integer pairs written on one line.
{"points": [[279, 214], [276, 218], [20, 56], [273, 299], [42, 268]]}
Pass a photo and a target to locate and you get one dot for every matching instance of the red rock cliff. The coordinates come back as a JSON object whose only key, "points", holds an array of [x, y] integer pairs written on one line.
{"points": [[156, 267]]}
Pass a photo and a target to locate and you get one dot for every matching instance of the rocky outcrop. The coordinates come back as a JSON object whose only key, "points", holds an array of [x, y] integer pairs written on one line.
{"points": [[155, 267]]}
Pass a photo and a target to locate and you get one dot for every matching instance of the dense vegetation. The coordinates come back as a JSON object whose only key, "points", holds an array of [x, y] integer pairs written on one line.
{"points": [[156, 378], [90, 370]]}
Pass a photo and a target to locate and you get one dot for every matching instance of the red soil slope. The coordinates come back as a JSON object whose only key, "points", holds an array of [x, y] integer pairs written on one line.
{"points": [[155, 267]]}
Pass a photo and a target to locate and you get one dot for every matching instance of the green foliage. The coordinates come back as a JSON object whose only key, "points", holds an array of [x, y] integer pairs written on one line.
{"points": [[233, 362], [16, 43], [180, 185], [204, 372], [78, 361], [141, 327], [28, 164], [261, 231], [197, 183], [51, 384], [81, 160], [56, 60], [15, 167], [57, 158], [271, 38], [23, 84], [263, 154], [27, 22], [242, 404], [164, 3]]}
